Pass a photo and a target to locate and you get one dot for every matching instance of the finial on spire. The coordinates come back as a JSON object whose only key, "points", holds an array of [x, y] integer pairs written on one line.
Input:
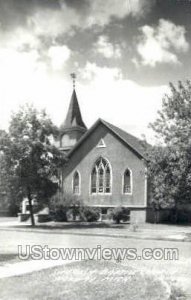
{"points": [[73, 75]]}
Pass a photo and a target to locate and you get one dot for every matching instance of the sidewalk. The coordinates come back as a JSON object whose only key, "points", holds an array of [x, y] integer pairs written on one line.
{"points": [[145, 231], [29, 266]]}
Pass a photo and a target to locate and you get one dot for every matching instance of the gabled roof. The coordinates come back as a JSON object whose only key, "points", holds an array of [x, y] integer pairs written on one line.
{"points": [[73, 117], [131, 141]]}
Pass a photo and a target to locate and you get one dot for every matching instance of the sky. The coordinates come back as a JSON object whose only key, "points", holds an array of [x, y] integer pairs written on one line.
{"points": [[124, 53]]}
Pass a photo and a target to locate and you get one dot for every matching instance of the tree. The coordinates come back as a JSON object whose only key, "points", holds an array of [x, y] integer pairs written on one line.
{"points": [[10, 195], [170, 162], [30, 157]]}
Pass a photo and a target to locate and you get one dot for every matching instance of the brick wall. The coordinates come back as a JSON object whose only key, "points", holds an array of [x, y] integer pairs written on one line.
{"points": [[120, 157]]}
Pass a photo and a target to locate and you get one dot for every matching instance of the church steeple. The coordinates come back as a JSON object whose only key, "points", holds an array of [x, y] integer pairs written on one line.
{"points": [[73, 117], [73, 127]]}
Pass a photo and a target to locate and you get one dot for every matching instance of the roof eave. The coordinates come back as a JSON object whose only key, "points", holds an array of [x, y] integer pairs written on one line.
{"points": [[140, 155]]}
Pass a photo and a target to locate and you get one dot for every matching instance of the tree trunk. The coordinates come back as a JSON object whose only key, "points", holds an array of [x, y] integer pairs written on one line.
{"points": [[31, 208], [175, 215], [156, 216]]}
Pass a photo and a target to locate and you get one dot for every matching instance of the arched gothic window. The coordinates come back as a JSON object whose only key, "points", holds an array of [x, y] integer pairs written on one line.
{"points": [[127, 188], [101, 177], [76, 183]]}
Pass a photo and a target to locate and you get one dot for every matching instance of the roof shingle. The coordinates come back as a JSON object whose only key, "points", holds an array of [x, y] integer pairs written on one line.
{"points": [[73, 117], [130, 140]]}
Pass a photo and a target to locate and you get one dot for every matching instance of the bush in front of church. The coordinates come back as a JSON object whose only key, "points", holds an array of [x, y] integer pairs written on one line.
{"points": [[89, 214], [65, 208], [59, 213], [58, 210], [119, 214]]}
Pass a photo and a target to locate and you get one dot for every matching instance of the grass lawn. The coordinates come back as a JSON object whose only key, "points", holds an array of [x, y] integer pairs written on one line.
{"points": [[89, 280]]}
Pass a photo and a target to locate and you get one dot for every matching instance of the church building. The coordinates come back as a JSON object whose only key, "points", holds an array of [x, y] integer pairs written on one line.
{"points": [[106, 166]]}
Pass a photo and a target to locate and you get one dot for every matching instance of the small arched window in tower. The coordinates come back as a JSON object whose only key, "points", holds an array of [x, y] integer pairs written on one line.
{"points": [[76, 183], [127, 188], [101, 177]]}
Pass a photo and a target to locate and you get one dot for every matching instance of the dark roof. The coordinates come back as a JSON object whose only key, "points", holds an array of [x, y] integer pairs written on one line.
{"points": [[130, 140], [73, 117]]}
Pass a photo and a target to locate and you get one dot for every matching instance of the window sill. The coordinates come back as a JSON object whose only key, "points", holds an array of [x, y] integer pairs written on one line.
{"points": [[100, 194], [126, 194]]}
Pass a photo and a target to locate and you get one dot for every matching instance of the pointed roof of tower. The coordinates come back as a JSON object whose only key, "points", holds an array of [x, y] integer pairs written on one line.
{"points": [[73, 117]]}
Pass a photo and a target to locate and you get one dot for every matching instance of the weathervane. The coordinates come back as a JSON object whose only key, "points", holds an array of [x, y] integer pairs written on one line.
{"points": [[73, 75]]}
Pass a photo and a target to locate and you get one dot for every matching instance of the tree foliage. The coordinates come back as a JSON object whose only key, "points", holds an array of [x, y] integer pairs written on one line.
{"points": [[29, 155], [9, 192], [170, 162]]}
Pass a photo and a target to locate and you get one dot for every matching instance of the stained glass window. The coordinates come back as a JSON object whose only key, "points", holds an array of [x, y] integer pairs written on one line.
{"points": [[101, 177]]}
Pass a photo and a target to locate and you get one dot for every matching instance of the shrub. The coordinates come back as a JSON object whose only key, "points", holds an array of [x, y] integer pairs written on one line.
{"points": [[183, 216], [58, 210], [73, 213], [119, 214], [65, 208], [59, 213], [89, 214], [13, 209]]}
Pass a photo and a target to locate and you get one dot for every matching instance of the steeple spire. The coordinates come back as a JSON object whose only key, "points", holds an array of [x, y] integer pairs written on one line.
{"points": [[73, 117], [73, 121]]}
